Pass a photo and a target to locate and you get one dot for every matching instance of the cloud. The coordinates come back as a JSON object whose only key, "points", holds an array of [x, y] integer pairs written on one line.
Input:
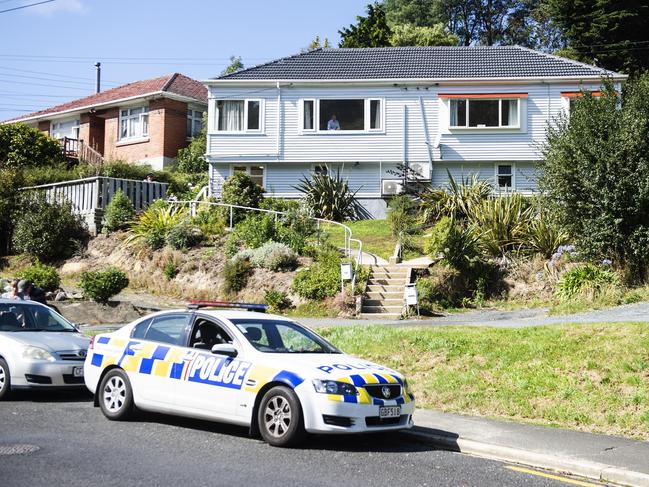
{"points": [[76, 6]]}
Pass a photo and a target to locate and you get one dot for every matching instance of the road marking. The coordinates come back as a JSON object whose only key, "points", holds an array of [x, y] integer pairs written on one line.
{"points": [[553, 477]]}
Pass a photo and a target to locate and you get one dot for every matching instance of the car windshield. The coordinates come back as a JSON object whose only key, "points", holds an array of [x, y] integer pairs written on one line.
{"points": [[275, 336], [20, 316]]}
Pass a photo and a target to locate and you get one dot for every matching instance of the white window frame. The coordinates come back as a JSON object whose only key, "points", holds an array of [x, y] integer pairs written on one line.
{"points": [[194, 115], [366, 116], [316, 115], [500, 114], [248, 165], [497, 186], [139, 116], [214, 125], [75, 128]]}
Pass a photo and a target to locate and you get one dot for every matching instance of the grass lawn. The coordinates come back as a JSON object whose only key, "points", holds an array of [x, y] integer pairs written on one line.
{"points": [[591, 377]]}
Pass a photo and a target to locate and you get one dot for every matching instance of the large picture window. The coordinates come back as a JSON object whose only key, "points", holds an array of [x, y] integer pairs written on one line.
{"points": [[238, 116], [340, 115], [133, 123], [484, 113]]}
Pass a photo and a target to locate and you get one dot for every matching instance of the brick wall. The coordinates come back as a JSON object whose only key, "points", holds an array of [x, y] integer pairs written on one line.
{"points": [[92, 130]]}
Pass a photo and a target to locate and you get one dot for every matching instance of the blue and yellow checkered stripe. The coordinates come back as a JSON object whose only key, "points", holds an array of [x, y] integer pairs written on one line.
{"points": [[363, 397]]}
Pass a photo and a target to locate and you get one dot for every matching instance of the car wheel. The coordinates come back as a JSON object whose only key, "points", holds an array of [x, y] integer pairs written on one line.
{"points": [[280, 417], [5, 380], [116, 396]]}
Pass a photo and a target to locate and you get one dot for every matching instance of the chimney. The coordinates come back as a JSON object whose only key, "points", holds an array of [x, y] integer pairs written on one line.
{"points": [[98, 86]]}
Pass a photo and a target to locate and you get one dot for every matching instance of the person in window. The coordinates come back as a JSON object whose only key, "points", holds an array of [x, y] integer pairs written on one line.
{"points": [[333, 124]]}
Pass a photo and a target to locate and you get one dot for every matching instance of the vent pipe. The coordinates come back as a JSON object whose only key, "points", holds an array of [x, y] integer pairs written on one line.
{"points": [[98, 85]]}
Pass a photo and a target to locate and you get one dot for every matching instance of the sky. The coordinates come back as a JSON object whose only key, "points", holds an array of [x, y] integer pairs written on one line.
{"points": [[48, 51]]}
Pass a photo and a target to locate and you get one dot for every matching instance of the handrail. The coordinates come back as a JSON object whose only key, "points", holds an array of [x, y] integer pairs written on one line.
{"points": [[359, 261], [85, 180]]}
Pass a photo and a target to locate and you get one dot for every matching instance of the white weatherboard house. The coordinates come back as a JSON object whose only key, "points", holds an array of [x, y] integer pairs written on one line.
{"points": [[463, 110]]}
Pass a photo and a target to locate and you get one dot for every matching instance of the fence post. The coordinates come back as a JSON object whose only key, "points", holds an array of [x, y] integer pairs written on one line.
{"points": [[231, 217]]}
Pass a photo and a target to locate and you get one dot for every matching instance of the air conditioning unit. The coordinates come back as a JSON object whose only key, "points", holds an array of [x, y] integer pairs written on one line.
{"points": [[419, 170], [391, 187]]}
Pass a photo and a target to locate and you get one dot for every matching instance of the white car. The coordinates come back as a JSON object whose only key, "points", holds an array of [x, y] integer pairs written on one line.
{"points": [[263, 371], [38, 348]]}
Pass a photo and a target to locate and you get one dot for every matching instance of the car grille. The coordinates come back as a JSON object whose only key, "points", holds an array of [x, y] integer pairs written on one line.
{"points": [[338, 420], [70, 379], [75, 355], [376, 390], [373, 421], [38, 379]]}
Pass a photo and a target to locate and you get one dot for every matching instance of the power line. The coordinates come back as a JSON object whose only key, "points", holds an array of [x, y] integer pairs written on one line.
{"points": [[119, 58], [67, 82], [33, 94], [26, 6], [57, 75], [78, 88]]}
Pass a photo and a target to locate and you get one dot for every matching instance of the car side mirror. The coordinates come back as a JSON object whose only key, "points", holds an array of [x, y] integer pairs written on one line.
{"points": [[226, 349]]}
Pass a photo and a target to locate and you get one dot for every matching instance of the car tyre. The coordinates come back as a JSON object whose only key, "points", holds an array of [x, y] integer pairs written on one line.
{"points": [[280, 418], [5, 380], [116, 396]]}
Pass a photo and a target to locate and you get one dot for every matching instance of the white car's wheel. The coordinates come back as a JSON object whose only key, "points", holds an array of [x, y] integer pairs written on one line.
{"points": [[5, 380], [280, 417], [116, 395]]}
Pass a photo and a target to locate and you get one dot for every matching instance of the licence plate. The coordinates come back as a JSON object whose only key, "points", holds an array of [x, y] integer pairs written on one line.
{"points": [[77, 371], [389, 412]]}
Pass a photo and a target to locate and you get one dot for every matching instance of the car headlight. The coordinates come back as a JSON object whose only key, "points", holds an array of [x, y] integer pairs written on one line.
{"points": [[406, 388], [35, 353], [334, 387]]}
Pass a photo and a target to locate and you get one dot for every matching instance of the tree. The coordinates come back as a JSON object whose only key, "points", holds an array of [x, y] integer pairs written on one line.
{"points": [[191, 159], [10, 202], [611, 33], [413, 35], [316, 44], [23, 146], [421, 13], [370, 31], [595, 176], [235, 65]]}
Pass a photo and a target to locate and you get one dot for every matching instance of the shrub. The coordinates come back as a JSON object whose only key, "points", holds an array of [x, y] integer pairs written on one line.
{"points": [[23, 146], [103, 285], [43, 276], [10, 202], [170, 270], [235, 275], [154, 224], [191, 159], [275, 256], [295, 228], [277, 301], [125, 170], [402, 220], [48, 230], [183, 236], [240, 190], [119, 212], [210, 221], [329, 197], [255, 230], [456, 200], [456, 247], [321, 280], [585, 278], [543, 235]]}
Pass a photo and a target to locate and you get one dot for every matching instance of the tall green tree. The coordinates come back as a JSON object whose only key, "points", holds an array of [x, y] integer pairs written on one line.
{"points": [[370, 31], [317, 44], [414, 35], [610, 33], [235, 65]]}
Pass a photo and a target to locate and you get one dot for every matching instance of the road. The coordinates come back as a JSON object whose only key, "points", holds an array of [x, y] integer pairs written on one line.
{"points": [[78, 446]]}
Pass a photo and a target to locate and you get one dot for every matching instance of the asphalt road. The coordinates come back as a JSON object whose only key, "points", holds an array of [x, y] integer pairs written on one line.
{"points": [[78, 446]]}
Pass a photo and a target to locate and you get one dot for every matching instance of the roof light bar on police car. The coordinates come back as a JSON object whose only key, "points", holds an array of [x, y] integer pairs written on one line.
{"points": [[197, 304]]}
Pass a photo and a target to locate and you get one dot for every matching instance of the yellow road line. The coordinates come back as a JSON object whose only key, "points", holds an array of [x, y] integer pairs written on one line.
{"points": [[553, 477]]}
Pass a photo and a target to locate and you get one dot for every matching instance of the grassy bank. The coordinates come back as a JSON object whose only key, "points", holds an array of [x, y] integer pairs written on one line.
{"points": [[586, 377]]}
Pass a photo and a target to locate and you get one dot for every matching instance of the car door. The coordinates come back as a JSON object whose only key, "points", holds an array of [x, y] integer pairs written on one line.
{"points": [[212, 383], [154, 355]]}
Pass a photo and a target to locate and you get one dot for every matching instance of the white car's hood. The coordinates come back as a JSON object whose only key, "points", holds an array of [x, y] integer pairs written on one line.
{"points": [[50, 340]]}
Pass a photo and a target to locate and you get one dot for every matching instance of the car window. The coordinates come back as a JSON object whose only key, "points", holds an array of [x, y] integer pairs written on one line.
{"points": [[275, 336], [168, 329], [206, 333], [25, 317], [139, 330]]}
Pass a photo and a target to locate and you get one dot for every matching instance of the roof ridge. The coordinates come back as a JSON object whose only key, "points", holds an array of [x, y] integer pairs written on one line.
{"points": [[168, 83], [272, 61], [566, 60]]}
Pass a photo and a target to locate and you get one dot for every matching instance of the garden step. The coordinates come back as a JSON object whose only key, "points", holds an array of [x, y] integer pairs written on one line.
{"points": [[401, 275], [384, 295], [386, 282], [381, 309], [383, 302], [383, 288], [386, 316], [388, 268]]}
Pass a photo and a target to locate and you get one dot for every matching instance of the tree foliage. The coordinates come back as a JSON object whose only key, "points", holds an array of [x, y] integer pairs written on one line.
{"points": [[596, 176], [414, 35], [191, 159], [22, 146], [235, 65], [370, 31]]}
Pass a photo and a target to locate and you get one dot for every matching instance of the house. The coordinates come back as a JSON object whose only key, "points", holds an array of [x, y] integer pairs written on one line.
{"points": [[441, 110], [145, 121]]}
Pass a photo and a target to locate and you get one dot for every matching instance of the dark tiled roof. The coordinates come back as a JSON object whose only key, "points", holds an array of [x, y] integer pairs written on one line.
{"points": [[417, 63], [172, 83]]}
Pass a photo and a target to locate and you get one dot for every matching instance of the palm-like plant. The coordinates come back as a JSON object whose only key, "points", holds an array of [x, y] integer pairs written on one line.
{"points": [[329, 197], [154, 223], [456, 200]]}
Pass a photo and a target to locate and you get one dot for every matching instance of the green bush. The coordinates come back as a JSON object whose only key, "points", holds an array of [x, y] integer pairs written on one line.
{"points": [[456, 247], [240, 190], [119, 212], [103, 285], [10, 204], [456, 200], [48, 230], [543, 235], [329, 197], [153, 225], [277, 301], [183, 236], [235, 275], [43, 276], [210, 221], [273, 256], [321, 280], [585, 278], [23, 146], [55, 173], [255, 230], [191, 159], [170, 270], [125, 170]]}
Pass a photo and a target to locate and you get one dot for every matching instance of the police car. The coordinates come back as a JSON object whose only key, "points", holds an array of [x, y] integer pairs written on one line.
{"points": [[248, 368]]}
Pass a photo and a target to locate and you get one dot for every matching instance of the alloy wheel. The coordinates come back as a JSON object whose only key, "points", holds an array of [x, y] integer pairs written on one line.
{"points": [[114, 394], [3, 377], [277, 416]]}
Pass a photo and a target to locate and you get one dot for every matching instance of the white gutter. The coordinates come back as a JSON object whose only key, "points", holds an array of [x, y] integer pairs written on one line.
{"points": [[405, 133]]}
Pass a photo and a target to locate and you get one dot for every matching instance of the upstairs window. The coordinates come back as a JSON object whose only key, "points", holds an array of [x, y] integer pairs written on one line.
{"points": [[194, 122], [339, 115], [308, 115], [484, 113], [238, 116], [133, 123]]}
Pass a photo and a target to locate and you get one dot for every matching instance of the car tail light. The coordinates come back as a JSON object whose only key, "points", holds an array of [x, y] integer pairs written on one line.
{"points": [[92, 343]]}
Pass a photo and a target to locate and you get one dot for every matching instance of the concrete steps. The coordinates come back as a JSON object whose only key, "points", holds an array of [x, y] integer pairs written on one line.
{"points": [[384, 293]]}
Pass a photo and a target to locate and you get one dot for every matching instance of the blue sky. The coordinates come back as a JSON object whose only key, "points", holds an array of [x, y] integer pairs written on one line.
{"points": [[47, 52]]}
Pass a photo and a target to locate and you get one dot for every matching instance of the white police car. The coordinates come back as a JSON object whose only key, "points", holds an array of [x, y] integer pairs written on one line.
{"points": [[263, 371]]}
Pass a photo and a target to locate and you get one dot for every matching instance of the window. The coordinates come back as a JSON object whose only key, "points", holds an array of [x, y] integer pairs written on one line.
{"points": [[505, 176], [274, 336], [483, 113], [238, 115], [68, 129], [133, 123], [168, 329], [320, 169], [194, 122], [206, 334], [375, 115], [256, 173], [342, 114], [308, 115]]}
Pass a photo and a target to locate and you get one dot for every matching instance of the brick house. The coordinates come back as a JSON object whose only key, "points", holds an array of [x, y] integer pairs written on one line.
{"points": [[145, 121]]}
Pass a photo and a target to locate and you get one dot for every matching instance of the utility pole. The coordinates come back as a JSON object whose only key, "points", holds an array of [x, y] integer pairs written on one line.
{"points": [[98, 86]]}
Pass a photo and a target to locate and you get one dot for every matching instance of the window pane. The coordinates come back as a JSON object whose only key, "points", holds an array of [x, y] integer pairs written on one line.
{"points": [[253, 115], [134, 127], [509, 116], [308, 115], [136, 111], [342, 114], [123, 129], [168, 329], [505, 176], [483, 113], [124, 113], [230, 115], [145, 125], [190, 132], [458, 113], [256, 171], [375, 114], [198, 126], [242, 169]]}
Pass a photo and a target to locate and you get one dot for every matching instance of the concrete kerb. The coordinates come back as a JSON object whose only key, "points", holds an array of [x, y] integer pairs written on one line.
{"points": [[572, 466]]}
